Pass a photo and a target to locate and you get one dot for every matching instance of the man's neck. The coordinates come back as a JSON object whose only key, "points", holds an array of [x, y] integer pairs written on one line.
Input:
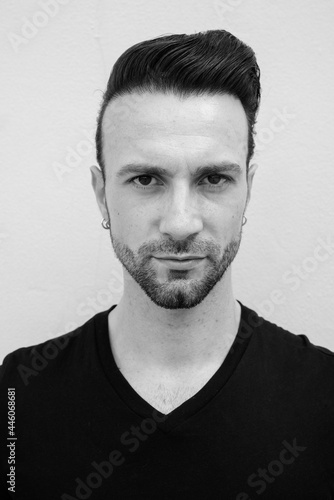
{"points": [[146, 337]]}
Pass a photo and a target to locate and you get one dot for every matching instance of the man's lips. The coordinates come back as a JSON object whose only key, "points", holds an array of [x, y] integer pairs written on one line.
{"points": [[183, 257], [180, 263]]}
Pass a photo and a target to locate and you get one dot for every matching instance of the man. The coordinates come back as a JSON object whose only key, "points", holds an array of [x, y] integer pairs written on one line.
{"points": [[179, 391]]}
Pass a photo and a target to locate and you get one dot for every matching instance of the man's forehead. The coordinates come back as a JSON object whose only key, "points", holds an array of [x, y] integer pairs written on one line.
{"points": [[140, 114]]}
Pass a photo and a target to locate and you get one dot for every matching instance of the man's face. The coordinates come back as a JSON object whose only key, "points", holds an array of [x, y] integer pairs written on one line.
{"points": [[178, 212]]}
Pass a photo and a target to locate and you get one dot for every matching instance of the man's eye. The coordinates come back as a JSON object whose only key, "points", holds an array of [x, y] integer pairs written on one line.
{"points": [[146, 178], [215, 181]]}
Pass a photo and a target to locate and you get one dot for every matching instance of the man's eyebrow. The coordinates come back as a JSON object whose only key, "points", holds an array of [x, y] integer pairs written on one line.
{"points": [[212, 168]]}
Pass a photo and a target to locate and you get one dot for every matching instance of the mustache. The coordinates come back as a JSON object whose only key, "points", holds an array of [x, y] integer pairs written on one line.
{"points": [[179, 247], [213, 252]]}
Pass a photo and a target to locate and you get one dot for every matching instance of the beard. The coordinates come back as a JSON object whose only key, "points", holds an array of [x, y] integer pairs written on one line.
{"points": [[178, 290]]}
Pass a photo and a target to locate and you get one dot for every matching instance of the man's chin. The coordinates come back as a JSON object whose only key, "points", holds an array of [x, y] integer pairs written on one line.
{"points": [[180, 293], [172, 303]]}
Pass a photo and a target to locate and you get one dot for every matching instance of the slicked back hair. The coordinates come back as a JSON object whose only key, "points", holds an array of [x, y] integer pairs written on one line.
{"points": [[206, 63]]}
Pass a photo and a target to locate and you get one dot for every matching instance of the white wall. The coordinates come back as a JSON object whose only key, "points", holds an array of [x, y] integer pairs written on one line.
{"points": [[57, 264]]}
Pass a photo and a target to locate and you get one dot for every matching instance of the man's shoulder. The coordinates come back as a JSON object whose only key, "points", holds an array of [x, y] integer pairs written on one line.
{"points": [[271, 336], [289, 368], [25, 363]]}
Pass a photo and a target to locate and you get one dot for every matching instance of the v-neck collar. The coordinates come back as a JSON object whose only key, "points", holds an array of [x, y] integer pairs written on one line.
{"points": [[190, 407]]}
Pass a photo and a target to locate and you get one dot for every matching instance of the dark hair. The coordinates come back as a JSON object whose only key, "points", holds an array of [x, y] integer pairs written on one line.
{"points": [[210, 62]]}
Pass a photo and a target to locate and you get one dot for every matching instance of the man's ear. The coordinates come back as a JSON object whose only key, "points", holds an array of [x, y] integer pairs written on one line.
{"points": [[250, 175], [99, 190]]}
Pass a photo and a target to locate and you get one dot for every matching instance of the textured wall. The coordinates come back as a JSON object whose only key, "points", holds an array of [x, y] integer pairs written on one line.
{"points": [[57, 265]]}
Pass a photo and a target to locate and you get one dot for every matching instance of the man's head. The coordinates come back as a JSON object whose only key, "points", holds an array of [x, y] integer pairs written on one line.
{"points": [[174, 105]]}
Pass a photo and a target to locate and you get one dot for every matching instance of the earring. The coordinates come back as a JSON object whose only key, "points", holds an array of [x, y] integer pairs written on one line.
{"points": [[105, 224], [244, 221]]}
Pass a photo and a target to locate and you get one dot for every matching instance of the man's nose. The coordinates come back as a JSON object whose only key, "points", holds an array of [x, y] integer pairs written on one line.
{"points": [[181, 216]]}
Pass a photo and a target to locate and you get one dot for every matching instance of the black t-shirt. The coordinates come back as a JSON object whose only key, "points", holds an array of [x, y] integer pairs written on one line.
{"points": [[262, 426]]}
